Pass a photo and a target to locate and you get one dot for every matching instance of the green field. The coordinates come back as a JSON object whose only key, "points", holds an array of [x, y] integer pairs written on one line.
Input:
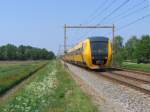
{"points": [[12, 72], [135, 66], [51, 89]]}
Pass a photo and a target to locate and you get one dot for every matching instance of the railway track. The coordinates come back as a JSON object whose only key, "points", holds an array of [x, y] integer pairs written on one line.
{"points": [[118, 91], [133, 71], [137, 80], [140, 81]]}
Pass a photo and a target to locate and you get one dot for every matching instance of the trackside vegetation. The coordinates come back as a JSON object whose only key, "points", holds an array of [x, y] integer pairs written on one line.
{"points": [[13, 72], [135, 50], [52, 90], [135, 66]]}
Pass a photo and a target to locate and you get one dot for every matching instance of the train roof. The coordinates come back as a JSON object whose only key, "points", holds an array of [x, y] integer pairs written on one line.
{"points": [[98, 38]]}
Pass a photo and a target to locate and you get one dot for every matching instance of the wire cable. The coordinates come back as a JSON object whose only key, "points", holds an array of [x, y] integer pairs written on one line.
{"points": [[106, 8], [131, 13], [129, 9], [133, 22], [115, 10], [94, 15], [96, 10]]}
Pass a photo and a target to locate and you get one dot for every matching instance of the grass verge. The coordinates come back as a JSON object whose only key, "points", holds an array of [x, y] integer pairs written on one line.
{"points": [[52, 90], [135, 66], [12, 73]]}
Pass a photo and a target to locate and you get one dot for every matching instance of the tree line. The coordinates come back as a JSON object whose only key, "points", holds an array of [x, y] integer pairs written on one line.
{"points": [[134, 50], [22, 52]]}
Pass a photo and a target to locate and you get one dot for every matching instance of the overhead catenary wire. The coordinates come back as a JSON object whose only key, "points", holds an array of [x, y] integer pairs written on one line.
{"points": [[105, 8], [112, 12], [129, 9], [92, 16], [131, 13], [133, 22], [96, 11]]}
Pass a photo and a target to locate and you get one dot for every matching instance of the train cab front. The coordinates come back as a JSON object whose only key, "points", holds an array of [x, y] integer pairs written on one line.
{"points": [[99, 50]]}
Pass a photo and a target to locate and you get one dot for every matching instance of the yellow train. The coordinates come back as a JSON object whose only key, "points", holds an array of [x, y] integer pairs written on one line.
{"points": [[93, 52]]}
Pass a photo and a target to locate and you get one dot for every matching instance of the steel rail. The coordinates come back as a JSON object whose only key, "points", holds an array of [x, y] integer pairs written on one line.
{"points": [[128, 82], [137, 84]]}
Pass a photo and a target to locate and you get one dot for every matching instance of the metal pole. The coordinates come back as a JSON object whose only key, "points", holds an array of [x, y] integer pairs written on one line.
{"points": [[113, 46], [89, 26], [65, 39], [59, 49]]}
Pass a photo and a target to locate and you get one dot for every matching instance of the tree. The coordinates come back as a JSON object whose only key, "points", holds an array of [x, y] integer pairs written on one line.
{"points": [[11, 52], [21, 53], [143, 50], [8, 52], [51, 55], [118, 51], [131, 48], [3, 53]]}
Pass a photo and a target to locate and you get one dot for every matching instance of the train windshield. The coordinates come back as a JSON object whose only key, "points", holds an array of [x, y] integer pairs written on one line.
{"points": [[99, 47], [99, 51]]}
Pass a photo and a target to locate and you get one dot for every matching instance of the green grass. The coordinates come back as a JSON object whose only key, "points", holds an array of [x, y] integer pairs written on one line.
{"points": [[12, 72], [135, 66], [52, 90], [68, 97]]}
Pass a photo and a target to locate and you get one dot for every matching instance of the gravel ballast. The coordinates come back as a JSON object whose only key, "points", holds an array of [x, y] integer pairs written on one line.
{"points": [[113, 96]]}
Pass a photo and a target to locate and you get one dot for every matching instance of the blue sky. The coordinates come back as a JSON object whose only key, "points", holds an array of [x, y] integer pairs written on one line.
{"points": [[40, 22]]}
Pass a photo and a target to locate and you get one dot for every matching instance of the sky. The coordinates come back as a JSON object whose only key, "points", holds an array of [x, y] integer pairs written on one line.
{"points": [[40, 23]]}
